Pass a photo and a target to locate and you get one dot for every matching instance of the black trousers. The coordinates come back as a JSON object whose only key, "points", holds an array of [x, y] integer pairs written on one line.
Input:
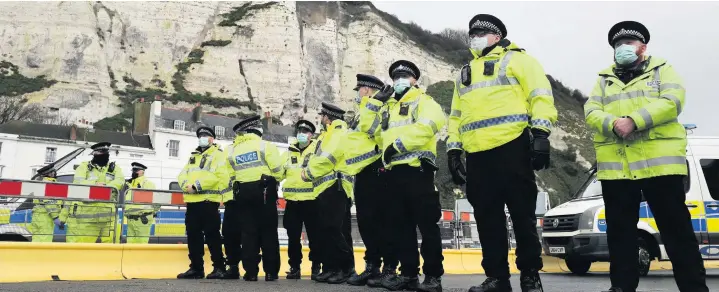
{"points": [[347, 233], [496, 177], [414, 204], [371, 204], [298, 213], [202, 223], [335, 253], [232, 233], [258, 212], [665, 197]]}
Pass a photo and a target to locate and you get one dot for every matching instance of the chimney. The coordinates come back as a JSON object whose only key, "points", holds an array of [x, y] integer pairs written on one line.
{"points": [[197, 113], [268, 116], [73, 132], [141, 118]]}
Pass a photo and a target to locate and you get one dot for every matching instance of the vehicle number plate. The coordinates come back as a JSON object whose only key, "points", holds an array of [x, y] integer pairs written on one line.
{"points": [[556, 249]]}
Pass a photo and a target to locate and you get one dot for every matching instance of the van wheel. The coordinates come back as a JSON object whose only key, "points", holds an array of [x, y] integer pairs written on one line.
{"points": [[578, 266], [645, 258]]}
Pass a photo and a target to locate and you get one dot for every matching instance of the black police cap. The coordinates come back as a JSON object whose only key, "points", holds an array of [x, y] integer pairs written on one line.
{"points": [[205, 131], [332, 110], [364, 80], [252, 122], [487, 22], [405, 67], [101, 147], [305, 124], [137, 165], [628, 29]]}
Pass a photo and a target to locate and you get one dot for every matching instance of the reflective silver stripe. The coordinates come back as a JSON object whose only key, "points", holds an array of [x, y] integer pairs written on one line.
{"points": [[349, 178], [596, 98], [374, 126], [110, 176], [540, 91], [605, 126], [676, 101], [430, 123], [90, 216], [456, 113], [501, 79], [626, 95], [644, 113], [362, 157], [400, 123], [328, 156], [417, 154], [262, 152], [400, 146], [198, 186], [248, 165], [372, 107], [603, 85], [324, 179], [665, 86], [493, 122], [183, 182], [309, 174], [297, 190], [293, 166], [211, 192], [609, 166], [659, 161], [454, 145], [541, 122], [276, 169]]}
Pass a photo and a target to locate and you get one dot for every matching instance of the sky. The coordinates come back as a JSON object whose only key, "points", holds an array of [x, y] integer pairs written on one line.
{"points": [[570, 39]]}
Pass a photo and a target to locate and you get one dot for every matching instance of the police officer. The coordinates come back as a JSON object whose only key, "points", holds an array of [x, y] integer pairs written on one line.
{"points": [[88, 220], [204, 181], [502, 114], [322, 170], [140, 218], [46, 214], [410, 125], [256, 167], [641, 150], [301, 200], [363, 162]]}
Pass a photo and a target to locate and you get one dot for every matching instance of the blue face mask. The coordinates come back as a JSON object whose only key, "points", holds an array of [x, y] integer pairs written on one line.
{"points": [[358, 98], [401, 85], [625, 54], [303, 138], [204, 141]]}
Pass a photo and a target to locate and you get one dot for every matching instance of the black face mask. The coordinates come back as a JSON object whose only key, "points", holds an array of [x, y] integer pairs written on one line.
{"points": [[101, 159], [135, 175]]}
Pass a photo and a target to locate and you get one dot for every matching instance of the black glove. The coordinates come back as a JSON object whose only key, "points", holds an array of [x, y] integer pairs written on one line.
{"points": [[540, 149], [456, 167], [384, 94], [388, 153], [143, 219]]}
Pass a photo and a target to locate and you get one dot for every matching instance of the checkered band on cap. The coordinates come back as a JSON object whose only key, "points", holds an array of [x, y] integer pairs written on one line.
{"points": [[486, 25], [368, 84], [204, 131], [250, 125], [331, 113], [403, 68], [625, 33]]}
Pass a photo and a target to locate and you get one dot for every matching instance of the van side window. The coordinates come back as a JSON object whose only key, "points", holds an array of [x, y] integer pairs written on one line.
{"points": [[687, 179], [710, 167], [174, 186]]}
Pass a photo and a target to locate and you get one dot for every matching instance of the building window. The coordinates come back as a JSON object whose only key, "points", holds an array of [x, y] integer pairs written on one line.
{"points": [[179, 125], [174, 148], [219, 131], [50, 154]]}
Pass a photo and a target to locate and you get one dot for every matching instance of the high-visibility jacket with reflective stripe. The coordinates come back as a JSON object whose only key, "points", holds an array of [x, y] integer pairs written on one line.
{"points": [[294, 188], [653, 100], [414, 122], [362, 148], [495, 109], [52, 208], [137, 209], [328, 158], [207, 171], [250, 157], [90, 174]]}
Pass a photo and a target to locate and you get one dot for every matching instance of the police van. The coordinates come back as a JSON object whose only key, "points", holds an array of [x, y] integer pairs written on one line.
{"points": [[576, 230]]}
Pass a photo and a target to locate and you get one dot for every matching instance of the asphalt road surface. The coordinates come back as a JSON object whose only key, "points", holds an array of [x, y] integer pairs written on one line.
{"points": [[656, 281]]}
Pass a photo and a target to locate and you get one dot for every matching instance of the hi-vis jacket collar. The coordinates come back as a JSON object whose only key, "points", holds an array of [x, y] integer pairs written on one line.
{"points": [[653, 63], [498, 50]]}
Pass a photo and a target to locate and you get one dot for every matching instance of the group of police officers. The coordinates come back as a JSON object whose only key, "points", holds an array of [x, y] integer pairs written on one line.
{"points": [[384, 159]]}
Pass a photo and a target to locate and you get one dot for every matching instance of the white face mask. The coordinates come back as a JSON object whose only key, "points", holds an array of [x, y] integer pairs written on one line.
{"points": [[479, 43]]}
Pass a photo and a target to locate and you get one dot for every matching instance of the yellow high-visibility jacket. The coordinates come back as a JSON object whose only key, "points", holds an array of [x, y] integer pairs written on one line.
{"points": [[90, 174], [139, 183], [208, 173], [294, 188], [362, 136], [52, 208], [653, 100], [494, 109], [414, 122], [329, 159]]}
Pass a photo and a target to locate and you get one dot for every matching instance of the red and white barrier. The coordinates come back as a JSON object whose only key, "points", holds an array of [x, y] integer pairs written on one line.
{"points": [[54, 190], [162, 197]]}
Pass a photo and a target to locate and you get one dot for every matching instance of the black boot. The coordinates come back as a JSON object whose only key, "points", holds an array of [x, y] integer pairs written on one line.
{"points": [[340, 276], [326, 274], [431, 284], [192, 274], [271, 277], [217, 273], [493, 285], [294, 274], [370, 271], [530, 282], [316, 267], [387, 272], [250, 277], [401, 282], [232, 273]]}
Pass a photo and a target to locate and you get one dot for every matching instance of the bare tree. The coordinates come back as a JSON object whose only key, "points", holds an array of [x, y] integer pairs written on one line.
{"points": [[16, 108], [456, 34]]}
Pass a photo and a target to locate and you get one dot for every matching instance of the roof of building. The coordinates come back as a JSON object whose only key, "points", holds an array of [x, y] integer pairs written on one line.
{"points": [[64, 132]]}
